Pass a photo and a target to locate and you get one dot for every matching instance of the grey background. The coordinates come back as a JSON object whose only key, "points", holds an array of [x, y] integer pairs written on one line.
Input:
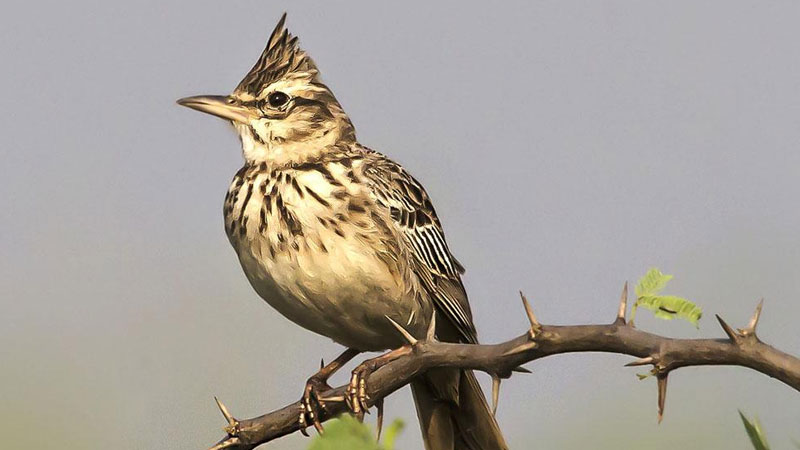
{"points": [[568, 147]]}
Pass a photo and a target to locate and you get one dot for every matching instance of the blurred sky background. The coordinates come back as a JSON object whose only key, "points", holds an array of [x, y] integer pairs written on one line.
{"points": [[568, 146]]}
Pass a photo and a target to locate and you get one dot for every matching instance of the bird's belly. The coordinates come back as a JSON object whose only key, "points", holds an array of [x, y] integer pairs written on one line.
{"points": [[344, 293]]}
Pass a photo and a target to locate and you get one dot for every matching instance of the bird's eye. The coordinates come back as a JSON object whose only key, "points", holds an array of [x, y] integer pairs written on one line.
{"points": [[277, 99]]}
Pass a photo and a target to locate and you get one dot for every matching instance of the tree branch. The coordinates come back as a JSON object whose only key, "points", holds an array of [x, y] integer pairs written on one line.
{"points": [[741, 348]]}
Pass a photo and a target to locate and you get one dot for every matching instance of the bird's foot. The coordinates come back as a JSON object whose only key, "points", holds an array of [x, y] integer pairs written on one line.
{"points": [[356, 396], [312, 405]]}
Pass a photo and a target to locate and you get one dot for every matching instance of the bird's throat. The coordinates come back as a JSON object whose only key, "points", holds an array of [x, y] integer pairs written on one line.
{"points": [[278, 149]]}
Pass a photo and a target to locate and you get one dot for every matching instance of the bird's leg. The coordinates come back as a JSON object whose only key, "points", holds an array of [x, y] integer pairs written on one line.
{"points": [[317, 384], [356, 395]]}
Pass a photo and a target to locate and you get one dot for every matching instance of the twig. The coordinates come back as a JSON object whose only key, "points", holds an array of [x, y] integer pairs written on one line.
{"points": [[740, 348]]}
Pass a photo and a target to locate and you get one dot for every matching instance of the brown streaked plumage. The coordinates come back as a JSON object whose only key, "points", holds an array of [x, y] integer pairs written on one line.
{"points": [[337, 237]]}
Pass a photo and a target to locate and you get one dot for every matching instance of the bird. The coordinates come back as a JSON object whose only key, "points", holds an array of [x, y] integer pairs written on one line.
{"points": [[341, 240]]}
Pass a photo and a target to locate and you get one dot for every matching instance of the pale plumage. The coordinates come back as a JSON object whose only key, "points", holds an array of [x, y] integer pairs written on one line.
{"points": [[314, 241]]}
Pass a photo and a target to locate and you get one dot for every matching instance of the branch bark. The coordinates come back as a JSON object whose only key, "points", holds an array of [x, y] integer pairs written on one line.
{"points": [[742, 347]]}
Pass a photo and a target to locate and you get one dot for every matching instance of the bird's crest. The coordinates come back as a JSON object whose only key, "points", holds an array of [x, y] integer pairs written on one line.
{"points": [[281, 57]]}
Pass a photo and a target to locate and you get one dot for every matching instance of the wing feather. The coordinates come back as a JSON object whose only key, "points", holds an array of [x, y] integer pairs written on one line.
{"points": [[413, 214]]}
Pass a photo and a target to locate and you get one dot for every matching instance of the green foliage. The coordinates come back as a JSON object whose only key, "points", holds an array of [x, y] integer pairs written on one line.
{"points": [[755, 432], [665, 307], [391, 433], [652, 283], [347, 433]]}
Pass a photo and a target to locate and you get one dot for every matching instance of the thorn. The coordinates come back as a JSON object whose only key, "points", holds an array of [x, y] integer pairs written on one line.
{"points": [[735, 338], [231, 442], [321, 363], [623, 305], [641, 362], [530, 345], [379, 406], [662, 394], [495, 392], [431, 335], [411, 339], [225, 413], [520, 369], [751, 327], [535, 326]]}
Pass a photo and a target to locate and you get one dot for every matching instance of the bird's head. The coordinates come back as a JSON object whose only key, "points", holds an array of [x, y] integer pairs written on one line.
{"points": [[282, 111]]}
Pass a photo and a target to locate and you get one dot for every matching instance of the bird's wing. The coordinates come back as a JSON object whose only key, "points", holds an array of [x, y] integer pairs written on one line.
{"points": [[412, 213]]}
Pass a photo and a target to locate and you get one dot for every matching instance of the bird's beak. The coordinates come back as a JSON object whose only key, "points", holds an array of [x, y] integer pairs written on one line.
{"points": [[222, 106]]}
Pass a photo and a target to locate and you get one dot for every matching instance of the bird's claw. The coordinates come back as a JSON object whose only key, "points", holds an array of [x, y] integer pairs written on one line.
{"points": [[312, 404], [356, 396]]}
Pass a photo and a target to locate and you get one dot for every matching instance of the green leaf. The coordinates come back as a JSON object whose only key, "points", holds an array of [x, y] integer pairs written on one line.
{"points": [[347, 433], [392, 431], [755, 432], [652, 283], [665, 307], [669, 307]]}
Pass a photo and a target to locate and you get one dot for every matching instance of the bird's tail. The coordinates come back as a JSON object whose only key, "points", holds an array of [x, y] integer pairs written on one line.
{"points": [[453, 412]]}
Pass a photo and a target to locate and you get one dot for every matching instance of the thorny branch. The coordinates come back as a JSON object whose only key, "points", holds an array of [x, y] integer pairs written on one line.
{"points": [[742, 347]]}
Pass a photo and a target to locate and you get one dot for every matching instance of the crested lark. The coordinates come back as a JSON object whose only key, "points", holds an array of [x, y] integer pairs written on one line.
{"points": [[337, 237]]}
